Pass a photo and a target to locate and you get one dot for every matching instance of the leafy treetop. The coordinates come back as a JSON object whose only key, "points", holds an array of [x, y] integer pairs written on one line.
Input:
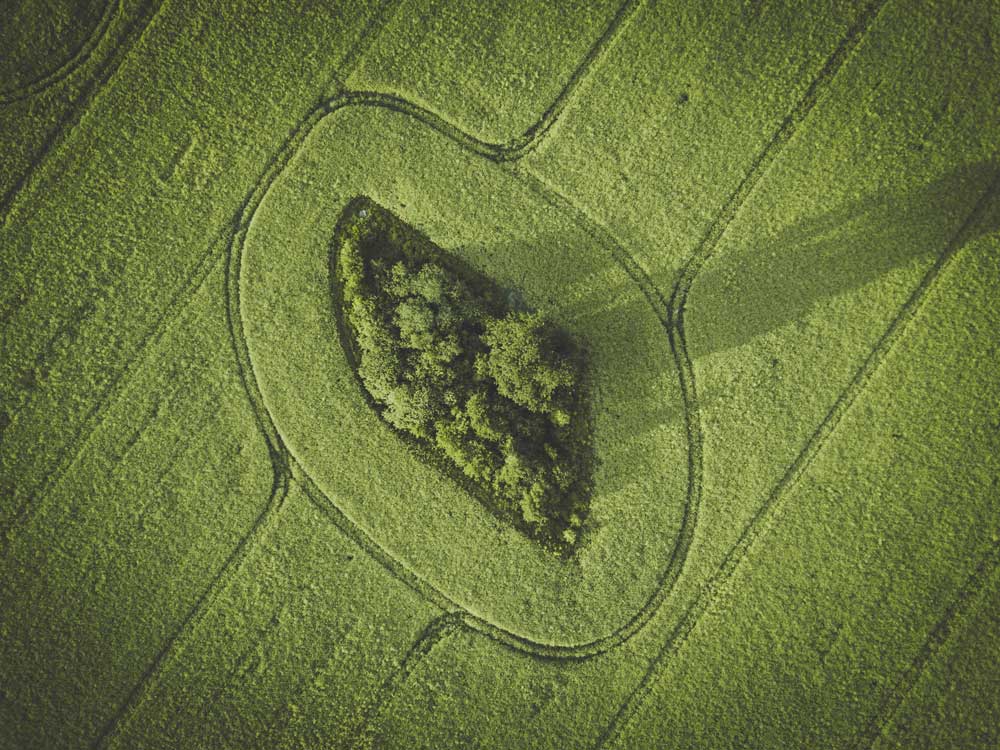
{"points": [[496, 392]]}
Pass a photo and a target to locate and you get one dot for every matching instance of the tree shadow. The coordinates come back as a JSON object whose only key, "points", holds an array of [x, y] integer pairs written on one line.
{"points": [[760, 287]]}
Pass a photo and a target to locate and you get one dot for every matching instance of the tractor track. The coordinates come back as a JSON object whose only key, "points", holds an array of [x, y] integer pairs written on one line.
{"points": [[71, 62], [764, 517], [936, 637], [134, 30]]}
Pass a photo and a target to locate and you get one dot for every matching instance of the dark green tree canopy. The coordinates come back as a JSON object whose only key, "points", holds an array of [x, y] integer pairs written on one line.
{"points": [[493, 394]]}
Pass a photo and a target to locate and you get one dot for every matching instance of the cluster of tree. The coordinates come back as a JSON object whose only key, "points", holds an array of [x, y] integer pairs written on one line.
{"points": [[498, 392]]}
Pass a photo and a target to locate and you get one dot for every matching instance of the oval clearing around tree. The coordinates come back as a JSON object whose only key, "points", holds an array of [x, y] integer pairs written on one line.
{"points": [[506, 230]]}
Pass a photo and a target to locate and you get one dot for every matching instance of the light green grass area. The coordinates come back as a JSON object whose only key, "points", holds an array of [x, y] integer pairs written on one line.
{"points": [[776, 226]]}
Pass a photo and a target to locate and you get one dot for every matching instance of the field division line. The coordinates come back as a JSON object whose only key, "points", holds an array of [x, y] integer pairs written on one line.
{"points": [[106, 70], [938, 635], [764, 515]]}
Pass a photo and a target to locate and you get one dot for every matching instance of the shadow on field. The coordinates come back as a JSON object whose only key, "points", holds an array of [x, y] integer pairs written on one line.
{"points": [[600, 297], [756, 289]]}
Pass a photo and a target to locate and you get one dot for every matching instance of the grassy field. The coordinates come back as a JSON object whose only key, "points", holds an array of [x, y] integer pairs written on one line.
{"points": [[776, 226]]}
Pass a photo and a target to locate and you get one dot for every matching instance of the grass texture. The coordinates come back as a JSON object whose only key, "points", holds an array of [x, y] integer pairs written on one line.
{"points": [[774, 226]]}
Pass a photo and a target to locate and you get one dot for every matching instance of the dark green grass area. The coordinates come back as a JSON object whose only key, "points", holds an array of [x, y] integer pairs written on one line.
{"points": [[773, 229], [486, 388], [35, 43]]}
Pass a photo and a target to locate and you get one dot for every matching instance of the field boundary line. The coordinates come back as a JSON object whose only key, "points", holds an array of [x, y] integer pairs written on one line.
{"points": [[936, 638], [76, 58], [436, 631], [281, 471], [107, 69], [92, 421], [174, 645], [765, 515], [262, 635]]}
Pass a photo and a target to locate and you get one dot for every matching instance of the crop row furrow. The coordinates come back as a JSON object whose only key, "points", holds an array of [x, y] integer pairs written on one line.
{"points": [[281, 476], [74, 60], [241, 665]]}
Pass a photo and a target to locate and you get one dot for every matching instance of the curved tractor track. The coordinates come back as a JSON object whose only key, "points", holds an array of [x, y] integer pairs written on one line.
{"points": [[106, 69], [669, 312], [499, 154], [77, 57]]}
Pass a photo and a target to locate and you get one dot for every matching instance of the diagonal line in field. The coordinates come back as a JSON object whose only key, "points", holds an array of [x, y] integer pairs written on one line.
{"points": [[107, 70], [759, 522], [265, 521], [434, 633], [938, 635]]}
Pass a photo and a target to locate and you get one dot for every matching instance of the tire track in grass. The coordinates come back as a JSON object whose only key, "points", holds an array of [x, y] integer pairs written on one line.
{"points": [[936, 638], [76, 58], [238, 668], [107, 70], [765, 515], [264, 522], [280, 468], [434, 633], [92, 421]]}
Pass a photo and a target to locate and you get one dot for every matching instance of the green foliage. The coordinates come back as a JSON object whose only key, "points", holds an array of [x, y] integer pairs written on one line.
{"points": [[498, 393]]}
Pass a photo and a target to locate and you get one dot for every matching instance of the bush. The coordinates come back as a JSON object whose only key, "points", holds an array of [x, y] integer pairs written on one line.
{"points": [[497, 393]]}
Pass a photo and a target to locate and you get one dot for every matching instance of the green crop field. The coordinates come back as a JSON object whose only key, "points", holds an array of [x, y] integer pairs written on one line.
{"points": [[700, 443]]}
